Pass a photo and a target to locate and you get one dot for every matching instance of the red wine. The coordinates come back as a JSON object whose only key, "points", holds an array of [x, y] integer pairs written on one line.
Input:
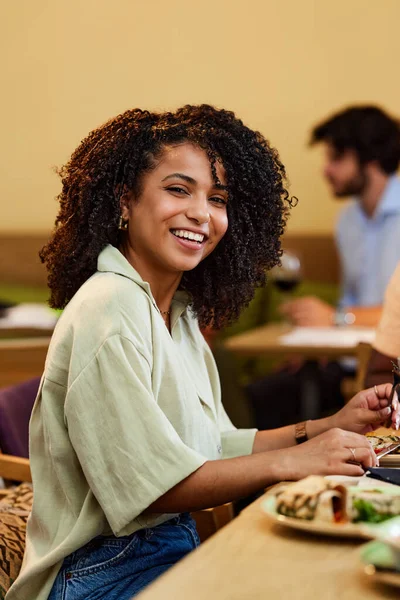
{"points": [[286, 285]]}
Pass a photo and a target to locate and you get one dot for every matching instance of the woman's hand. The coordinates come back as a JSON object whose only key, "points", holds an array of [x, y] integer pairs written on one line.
{"points": [[368, 410], [331, 453]]}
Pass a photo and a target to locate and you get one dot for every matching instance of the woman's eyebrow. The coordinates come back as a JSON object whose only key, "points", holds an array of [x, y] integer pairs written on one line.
{"points": [[219, 186], [189, 179], [181, 176]]}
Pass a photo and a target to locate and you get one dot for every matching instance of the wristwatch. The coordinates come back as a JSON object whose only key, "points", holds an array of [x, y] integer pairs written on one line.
{"points": [[343, 317], [300, 432]]}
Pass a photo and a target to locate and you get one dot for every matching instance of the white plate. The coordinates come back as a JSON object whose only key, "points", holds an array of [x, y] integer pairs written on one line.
{"points": [[352, 530]]}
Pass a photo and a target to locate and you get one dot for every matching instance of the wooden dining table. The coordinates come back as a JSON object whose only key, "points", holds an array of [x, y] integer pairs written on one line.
{"points": [[267, 340], [253, 558]]}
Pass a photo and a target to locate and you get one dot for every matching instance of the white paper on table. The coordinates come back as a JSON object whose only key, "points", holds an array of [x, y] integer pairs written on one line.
{"points": [[328, 336], [38, 316]]}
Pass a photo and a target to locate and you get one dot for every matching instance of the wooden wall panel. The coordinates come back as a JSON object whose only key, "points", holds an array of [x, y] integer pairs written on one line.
{"points": [[20, 263], [19, 260], [318, 255]]}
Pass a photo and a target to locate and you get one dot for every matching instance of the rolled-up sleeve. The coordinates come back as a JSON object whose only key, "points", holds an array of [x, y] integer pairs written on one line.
{"points": [[235, 442], [129, 451]]}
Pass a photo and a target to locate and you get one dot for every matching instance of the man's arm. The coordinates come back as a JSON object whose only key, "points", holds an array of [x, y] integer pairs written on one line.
{"points": [[365, 316], [313, 312]]}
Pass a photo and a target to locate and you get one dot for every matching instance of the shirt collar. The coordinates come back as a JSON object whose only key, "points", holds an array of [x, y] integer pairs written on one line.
{"points": [[110, 260], [390, 201]]}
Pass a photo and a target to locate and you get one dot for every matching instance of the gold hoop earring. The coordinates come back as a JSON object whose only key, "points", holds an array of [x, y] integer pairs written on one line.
{"points": [[123, 223]]}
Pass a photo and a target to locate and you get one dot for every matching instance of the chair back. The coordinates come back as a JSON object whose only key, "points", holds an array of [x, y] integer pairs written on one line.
{"points": [[352, 385], [209, 520], [363, 355]]}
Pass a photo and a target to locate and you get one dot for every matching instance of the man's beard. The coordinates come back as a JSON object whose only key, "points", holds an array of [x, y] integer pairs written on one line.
{"points": [[353, 187]]}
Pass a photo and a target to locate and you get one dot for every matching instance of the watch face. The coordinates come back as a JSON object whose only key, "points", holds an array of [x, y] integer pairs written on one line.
{"points": [[339, 318]]}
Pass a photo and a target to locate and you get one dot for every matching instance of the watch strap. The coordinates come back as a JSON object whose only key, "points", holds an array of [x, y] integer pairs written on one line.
{"points": [[300, 432]]}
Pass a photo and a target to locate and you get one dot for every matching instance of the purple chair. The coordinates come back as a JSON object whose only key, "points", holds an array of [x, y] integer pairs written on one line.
{"points": [[16, 403]]}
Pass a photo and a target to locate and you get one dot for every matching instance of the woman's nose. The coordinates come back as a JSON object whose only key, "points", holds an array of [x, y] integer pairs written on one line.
{"points": [[198, 211]]}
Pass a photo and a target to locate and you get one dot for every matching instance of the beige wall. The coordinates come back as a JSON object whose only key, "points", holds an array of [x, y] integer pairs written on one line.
{"points": [[280, 64]]}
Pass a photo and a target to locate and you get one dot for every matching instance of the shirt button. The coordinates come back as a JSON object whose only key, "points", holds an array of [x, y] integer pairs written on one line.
{"points": [[219, 448]]}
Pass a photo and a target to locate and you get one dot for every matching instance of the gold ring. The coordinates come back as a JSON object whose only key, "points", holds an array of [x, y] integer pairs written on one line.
{"points": [[353, 451], [376, 390]]}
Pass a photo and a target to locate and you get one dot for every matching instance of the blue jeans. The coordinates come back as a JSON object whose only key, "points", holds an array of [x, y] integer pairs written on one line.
{"points": [[112, 568]]}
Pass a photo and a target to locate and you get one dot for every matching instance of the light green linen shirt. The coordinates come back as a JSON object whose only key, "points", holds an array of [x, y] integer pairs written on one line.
{"points": [[124, 412]]}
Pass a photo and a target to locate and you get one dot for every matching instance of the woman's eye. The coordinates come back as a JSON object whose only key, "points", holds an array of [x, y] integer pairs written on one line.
{"points": [[218, 200], [177, 190]]}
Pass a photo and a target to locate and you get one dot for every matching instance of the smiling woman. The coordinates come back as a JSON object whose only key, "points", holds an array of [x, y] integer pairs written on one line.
{"points": [[166, 221], [209, 161]]}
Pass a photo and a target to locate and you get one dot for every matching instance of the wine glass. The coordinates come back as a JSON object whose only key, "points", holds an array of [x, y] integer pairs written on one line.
{"points": [[287, 275]]}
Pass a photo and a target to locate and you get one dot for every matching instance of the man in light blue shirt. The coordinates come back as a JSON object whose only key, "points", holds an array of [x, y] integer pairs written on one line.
{"points": [[369, 247], [362, 147]]}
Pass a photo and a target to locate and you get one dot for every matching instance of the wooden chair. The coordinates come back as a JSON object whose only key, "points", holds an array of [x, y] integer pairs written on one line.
{"points": [[14, 468], [209, 520], [22, 359], [352, 385]]}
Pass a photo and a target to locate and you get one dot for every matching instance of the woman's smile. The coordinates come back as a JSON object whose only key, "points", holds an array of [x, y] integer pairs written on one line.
{"points": [[189, 238]]}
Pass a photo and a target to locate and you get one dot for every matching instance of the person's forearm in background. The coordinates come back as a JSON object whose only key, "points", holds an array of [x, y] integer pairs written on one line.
{"points": [[310, 311], [365, 316]]}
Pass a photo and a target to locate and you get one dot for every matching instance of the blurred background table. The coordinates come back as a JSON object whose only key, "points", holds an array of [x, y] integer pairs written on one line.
{"points": [[267, 340], [22, 359], [25, 332], [250, 558]]}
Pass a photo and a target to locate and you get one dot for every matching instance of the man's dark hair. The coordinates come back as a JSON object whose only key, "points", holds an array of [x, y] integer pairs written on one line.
{"points": [[118, 154], [368, 130]]}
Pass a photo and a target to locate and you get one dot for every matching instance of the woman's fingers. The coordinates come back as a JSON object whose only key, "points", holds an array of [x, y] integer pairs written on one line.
{"points": [[365, 456], [383, 403], [383, 390], [351, 470], [378, 396], [361, 448]]}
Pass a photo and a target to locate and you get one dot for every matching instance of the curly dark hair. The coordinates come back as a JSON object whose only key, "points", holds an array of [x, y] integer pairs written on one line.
{"points": [[368, 130], [116, 155]]}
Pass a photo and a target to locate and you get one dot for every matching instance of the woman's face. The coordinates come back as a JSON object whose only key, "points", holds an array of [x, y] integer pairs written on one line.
{"points": [[180, 214]]}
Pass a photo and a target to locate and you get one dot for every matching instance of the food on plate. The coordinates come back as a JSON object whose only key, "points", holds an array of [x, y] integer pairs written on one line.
{"points": [[381, 442], [318, 499], [372, 506], [311, 498]]}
